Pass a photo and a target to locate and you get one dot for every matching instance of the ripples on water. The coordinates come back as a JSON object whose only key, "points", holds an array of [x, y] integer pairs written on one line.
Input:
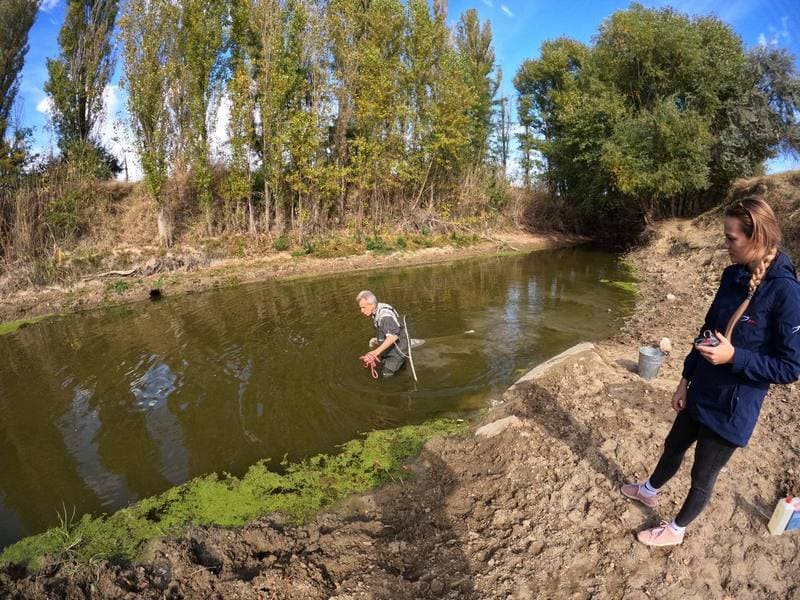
{"points": [[106, 407]]}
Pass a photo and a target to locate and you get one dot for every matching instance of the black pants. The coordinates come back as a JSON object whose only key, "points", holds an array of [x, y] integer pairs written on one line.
{"points": [[710, 455], [392, 361]]}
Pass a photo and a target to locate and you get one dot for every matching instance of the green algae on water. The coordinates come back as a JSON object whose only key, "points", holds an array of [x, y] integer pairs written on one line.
{"points": [[627, 286], [12, 326], [228, 501]]}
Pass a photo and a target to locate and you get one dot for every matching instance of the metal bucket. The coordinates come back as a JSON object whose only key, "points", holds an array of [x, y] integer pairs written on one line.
{"points": [[650, 360]]}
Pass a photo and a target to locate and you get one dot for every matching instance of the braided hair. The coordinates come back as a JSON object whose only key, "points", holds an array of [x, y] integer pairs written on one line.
{"points": [[762, 230]]}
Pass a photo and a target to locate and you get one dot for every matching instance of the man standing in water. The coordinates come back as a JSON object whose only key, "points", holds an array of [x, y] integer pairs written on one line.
{"points": [[392, 343]]}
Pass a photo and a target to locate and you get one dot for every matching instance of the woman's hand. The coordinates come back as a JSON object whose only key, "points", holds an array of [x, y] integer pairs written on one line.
{"points": [[718, 355], [679, 397]]}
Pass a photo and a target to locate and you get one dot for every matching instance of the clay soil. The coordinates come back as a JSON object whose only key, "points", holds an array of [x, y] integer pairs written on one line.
{"points": [[532, 512]]}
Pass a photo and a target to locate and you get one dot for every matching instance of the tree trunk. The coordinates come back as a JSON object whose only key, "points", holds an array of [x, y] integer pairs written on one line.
{"points": [[267, 206], [251, 217], [164, 226]]}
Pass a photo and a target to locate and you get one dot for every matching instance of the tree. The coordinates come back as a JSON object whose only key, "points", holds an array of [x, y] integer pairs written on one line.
{"points": [[197, 76], [147, 29], [540, 84], [501, 129], [660, 114], [267, 25], [377, 150], [16, 20], [79, 76], [241, 127], [474, 44]]}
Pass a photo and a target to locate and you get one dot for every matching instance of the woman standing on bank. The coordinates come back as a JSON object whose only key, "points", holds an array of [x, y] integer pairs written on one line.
{"points": [[719, 397]]}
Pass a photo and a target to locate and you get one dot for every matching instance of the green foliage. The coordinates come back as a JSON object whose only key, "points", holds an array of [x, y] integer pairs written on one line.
{"points": [[474, 46], [16, 20], [147, 29], [223, 500], [62, 211], [79, 75], [377, 244], [197, 75], [306, 248], [120, 287], [661, 110], [281, 243], [659, 154]]}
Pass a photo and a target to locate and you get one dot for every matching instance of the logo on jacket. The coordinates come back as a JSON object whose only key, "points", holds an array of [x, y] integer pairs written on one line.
{"points": [[796, 328], [749, 320]]}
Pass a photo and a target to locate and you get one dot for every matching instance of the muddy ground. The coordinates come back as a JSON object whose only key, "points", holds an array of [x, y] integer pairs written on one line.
{"points": [[188, 269], [532, 512]]}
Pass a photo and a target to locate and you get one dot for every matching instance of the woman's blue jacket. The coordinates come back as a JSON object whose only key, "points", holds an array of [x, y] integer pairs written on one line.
{"points": [[727, 398]]}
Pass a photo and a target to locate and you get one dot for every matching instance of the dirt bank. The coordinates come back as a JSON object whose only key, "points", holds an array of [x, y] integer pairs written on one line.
{"points": [[532, 512], [188, 269]]}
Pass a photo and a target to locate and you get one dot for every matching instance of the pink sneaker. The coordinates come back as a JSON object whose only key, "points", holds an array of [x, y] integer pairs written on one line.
{"points": [[663, 535], [634, 492]]}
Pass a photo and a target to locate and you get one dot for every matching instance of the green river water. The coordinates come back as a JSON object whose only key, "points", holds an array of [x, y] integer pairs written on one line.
{"points": [[105, 407]]}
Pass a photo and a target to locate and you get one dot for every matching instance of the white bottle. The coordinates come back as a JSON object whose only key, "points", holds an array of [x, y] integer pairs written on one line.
{"points": [[794, 520], [781, 515]]}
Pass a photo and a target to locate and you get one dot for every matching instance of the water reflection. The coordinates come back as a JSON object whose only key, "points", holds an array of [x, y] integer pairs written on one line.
{"points": [[79, 427], [105, 407]]}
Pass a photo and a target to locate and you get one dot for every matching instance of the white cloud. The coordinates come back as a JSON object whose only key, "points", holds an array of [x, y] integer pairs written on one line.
{"points": [[506, 10], [488, 3], [777, 35], [45, 106], [48, 5], [220, 135]]}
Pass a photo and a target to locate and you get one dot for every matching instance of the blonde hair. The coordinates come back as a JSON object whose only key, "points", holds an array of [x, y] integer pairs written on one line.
{"points": [[761, 228]]}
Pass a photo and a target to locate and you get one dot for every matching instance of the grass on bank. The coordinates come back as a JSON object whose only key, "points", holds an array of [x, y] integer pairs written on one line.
{"points": [[227, 501]]}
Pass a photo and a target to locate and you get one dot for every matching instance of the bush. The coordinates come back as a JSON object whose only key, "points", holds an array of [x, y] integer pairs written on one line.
{"points": [[281, 243], [377, 244]]}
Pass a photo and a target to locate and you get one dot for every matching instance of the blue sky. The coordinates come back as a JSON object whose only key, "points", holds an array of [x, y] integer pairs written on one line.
{"points": [[519, 29]]}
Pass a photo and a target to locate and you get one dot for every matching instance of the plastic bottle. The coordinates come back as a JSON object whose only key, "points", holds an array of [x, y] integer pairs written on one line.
{"points": [[784, 511], [794, 520]]}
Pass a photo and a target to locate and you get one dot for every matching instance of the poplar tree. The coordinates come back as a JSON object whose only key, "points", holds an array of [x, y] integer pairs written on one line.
{"points": [[346, 27], [378, 146], [78, 77], [426, 43], [16, 20], [474, 44], [198, 76], [241, 127], [147, 30], [267, 26]]}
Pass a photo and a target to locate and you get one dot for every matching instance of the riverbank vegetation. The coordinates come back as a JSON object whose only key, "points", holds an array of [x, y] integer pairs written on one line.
{"points": [[656, 118], [298, 492], [348, 123]]}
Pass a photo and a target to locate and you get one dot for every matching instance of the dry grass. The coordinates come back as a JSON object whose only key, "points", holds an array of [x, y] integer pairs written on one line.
{"points": [[782, 192]]}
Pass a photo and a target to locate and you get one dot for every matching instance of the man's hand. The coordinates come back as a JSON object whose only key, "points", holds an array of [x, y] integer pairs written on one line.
{"points": [[387, 343], [718, 355], [679, 397], [370, 359]]}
